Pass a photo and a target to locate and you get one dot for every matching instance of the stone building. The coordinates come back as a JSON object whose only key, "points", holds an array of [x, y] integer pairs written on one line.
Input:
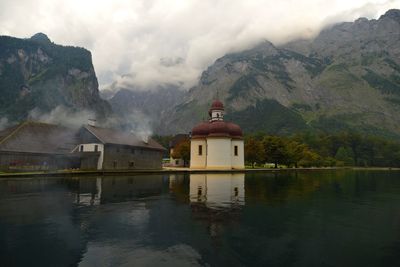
{"points": [[112, 149], [216, 144], [37, 146], [42, 146]]}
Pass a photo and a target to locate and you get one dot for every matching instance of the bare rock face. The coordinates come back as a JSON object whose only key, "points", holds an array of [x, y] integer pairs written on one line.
{"points": [[38, 74], [348, 77]]}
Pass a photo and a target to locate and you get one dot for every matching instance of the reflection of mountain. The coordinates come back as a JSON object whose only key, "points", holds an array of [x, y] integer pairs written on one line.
{"points": [[217, 190], [38, 224]]}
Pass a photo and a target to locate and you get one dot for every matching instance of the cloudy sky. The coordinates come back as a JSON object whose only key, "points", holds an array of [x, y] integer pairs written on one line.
{"points": [[172, 41]]}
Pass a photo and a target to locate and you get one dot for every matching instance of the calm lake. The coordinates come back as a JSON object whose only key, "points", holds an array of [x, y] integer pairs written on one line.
{"points": [[314, 218]]}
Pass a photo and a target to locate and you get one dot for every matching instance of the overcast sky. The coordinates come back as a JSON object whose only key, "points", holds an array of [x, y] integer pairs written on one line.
{"points": [[173, 41]]}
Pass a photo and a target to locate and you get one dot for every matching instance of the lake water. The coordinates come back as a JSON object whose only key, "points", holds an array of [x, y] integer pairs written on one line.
{"points": [[314, 218]]}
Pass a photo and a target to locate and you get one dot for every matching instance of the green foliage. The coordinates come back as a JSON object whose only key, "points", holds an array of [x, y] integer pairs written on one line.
{"points": [[381, 83], [44, 71], [319, 149], [242, 86], [268, 116], [345, 156], [314, 66], [253, 152], [182, 151], [301, 107]]}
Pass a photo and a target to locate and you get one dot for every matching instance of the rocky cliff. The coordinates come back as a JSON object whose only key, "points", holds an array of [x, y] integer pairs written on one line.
{"points": [[38, 74], [348, 77]]}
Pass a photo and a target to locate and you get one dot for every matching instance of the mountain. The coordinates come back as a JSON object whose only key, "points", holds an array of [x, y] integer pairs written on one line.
{"points": [[348, 77], [38, 74], [151, 105]]}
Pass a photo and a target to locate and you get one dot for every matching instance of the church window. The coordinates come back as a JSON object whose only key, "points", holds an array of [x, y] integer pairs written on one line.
{"points": [[236, 150], [200, 150]]}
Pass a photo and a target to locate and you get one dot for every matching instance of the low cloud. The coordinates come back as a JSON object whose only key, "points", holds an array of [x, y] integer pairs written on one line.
{"points": [[135, 122], [4, 123], [63, 116], [161, 42]]}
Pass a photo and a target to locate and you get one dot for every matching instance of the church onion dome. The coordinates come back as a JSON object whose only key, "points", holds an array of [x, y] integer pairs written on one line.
{"points": [[217, 105], [201, 129], [217, 129], [234, 130]]}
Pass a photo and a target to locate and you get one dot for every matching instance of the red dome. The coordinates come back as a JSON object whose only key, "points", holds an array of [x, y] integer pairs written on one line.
{"points": [[217, 105], [201, 129], [219, 128], [234, 130]]}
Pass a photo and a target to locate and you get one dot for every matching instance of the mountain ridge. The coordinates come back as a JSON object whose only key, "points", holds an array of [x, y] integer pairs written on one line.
{"points": [[36, 74], [347, 77]]}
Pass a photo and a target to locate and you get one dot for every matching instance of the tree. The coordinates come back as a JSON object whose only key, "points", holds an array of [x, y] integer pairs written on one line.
{"points": [[345, 156], [295, 152], [253, 151], [274, 150], [182, 151]]}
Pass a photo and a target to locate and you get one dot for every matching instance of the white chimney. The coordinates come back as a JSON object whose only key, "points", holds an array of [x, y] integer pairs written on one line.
{"points": [[92, 122]]}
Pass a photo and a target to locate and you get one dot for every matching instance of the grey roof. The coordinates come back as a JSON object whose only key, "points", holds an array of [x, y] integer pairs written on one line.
{"points": [[37, 137], [119, 137]]}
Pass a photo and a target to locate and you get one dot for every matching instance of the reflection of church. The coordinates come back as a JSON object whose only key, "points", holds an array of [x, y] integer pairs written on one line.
{"points": [[217, 190]]}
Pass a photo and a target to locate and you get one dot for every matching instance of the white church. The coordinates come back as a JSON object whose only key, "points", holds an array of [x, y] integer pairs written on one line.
{"points": [[216, 144]]}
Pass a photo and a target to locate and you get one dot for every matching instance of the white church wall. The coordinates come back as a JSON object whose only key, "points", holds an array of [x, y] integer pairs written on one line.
{"points": [[198, 161], [219, 151], [237, 161]]}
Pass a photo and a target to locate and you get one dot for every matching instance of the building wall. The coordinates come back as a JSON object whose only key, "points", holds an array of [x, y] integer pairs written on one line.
{"points": [[26, 161], [198, 161], [128, 157], [175, 162], [237, 161], [219, 153], [91, 148]]}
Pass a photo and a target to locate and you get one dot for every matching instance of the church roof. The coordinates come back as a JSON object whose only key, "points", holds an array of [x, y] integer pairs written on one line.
{"points": [[217, 128]]}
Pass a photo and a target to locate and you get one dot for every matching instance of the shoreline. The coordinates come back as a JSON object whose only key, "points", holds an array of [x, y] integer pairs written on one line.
{"points": [[177, 171]]}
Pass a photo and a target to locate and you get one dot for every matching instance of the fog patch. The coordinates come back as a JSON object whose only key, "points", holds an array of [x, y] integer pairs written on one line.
{"points": [[62, 115], [4, 123], [135, 123]]}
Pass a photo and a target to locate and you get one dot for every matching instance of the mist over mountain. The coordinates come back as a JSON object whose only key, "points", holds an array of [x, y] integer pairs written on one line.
{"points": [[38, 76], [348, 77], [147, 105]]}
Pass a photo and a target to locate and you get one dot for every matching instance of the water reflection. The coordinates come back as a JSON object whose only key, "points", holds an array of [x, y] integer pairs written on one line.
{"points": [[303, 219], [102, 190], [217, 190]]}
